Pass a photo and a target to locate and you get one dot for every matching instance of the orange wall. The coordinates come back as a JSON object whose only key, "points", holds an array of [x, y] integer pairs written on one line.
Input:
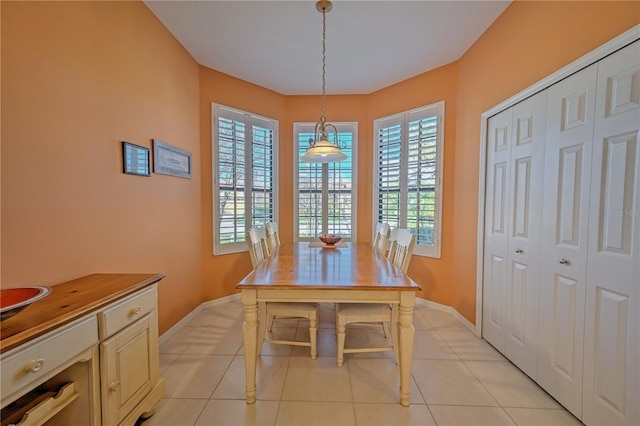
{"points": [[433, 275], [222, 273], [529, 41], [77, 79]]}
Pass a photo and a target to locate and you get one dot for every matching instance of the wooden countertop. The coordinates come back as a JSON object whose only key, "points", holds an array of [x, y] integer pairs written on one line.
{"points": [[67, 302]]}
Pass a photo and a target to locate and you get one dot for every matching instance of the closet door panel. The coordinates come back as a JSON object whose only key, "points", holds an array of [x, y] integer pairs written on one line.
{"points": [[612, 354], [496, 230], [568, 155], [525, 224]]}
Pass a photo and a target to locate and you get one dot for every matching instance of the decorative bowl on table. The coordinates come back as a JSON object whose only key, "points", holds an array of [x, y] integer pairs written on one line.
{"points": [[330, 240]]}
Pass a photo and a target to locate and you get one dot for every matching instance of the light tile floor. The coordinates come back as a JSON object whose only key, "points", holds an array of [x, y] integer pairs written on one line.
{"points": [[458, 379]]}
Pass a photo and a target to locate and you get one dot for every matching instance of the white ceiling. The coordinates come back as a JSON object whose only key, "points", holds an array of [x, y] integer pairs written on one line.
{"points": [[370, 44]]}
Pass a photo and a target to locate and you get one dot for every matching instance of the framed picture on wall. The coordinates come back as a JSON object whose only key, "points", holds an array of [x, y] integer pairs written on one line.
{"points": [[136, 159], [169, 160]]}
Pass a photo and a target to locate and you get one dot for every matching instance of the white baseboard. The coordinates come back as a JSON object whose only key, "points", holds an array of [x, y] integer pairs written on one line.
{"points": [[450, 310], [423, 302], [177, 326]]}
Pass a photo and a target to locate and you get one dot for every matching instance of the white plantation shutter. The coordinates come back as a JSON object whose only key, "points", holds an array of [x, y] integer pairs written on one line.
{"points": [[262, 205], [390, 197], [244, 167], [407, 190], [325, 192], [231, 187]]}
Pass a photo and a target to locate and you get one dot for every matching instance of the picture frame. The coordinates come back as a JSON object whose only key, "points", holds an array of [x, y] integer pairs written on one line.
{"points": [[170, 160], [136, 159]]}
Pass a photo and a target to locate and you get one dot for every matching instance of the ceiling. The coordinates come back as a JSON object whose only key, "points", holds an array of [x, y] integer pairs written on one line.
{"points": [[369, 44]]}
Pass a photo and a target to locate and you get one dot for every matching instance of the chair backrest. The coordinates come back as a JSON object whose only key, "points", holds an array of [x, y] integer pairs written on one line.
{"points": [[381, 239], [401, 248], [257, 243], [273, 236]]}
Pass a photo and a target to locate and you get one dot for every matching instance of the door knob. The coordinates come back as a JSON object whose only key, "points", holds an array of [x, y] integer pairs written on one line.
{"points": [[114, 386], [519, 251], [563, 261]]}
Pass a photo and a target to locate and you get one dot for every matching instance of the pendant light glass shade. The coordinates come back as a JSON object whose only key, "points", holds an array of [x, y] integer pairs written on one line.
{"points": [[323, 151], [320, 149]]}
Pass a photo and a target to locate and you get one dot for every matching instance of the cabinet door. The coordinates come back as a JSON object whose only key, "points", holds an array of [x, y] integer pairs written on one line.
{"points": [[565, 231], [525, 224], [612, 321], [129, 368], [496, 230]]}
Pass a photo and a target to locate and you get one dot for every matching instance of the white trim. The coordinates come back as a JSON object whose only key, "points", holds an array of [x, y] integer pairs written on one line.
{"points": [[191, 315], [595, 55], [223, 300], [249, 119], [482, 183], [403, 118], [448, 309]]}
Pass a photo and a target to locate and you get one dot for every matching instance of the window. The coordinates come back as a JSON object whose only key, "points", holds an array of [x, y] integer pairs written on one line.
{"points": [[244, 168], [407, 184], [325, 193]]}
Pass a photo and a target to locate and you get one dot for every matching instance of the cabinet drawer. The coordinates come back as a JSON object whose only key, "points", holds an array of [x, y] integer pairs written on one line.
{"points": [[119, 315], [30, 365]]}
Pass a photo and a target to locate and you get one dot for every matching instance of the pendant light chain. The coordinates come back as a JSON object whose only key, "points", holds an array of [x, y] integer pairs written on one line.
{"points": [[324, 48], [321, 150]]}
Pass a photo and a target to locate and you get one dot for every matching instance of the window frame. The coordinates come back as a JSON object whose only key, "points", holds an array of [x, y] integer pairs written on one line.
{"points": [[249, 119], [308, 127], [403, 118]]}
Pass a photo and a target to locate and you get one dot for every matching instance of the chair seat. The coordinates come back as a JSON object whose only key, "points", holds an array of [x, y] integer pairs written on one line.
{"points": [[270, 310], [368, 310], [293, 309], [348, 313]]}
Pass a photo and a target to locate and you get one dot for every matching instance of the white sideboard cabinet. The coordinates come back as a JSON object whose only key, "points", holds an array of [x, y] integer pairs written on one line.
{"points": [[86, 354]]}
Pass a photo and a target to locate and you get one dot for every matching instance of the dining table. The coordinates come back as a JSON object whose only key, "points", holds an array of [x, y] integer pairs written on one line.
{"points": [[347, 272]]}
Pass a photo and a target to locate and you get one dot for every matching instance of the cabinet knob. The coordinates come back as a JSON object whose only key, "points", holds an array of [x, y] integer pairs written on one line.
{"points": [[563, 261], [113, 387], [519, 251], [136, 310], [35, 365]]}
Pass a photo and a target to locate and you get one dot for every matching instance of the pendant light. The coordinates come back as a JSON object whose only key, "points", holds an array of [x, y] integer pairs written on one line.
{"points": [[320, 149]]}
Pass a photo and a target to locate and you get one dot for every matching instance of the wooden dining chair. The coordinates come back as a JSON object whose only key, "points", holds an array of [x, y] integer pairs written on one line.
{"points": [[401, 244], [400, 252], [381, 244], [381, 239], [273, 242], [259, 252], [257, 243], [273, 236]]}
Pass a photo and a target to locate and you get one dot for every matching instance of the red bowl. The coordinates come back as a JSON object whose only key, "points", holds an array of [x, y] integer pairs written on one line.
{"points": [[13, 300], [330, 239]]}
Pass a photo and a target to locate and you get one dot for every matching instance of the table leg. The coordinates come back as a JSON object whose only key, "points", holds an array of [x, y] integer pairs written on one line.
{"points": [[250, 340], [406, 333], [340, 327]]}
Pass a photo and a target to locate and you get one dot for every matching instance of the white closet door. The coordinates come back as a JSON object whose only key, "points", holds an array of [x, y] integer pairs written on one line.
{"points": [[525, 224], [496, 229], [565, 234], [612, 326]]}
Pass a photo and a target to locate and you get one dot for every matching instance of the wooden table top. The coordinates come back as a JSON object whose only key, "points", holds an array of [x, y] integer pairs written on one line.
{"points": [[67, 302], [356, 267]]}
